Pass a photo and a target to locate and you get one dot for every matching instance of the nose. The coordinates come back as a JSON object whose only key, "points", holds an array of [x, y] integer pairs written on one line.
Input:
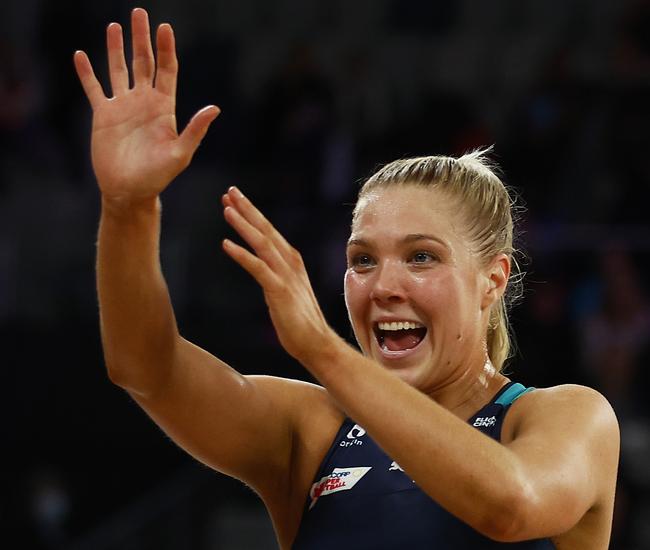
{"points": [[388, 284]]}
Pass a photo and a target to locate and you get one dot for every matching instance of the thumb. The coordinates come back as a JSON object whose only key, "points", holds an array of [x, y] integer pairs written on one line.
{"points": [[196, 128]]}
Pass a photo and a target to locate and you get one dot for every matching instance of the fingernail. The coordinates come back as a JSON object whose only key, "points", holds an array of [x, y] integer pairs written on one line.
{"points": [[237, 192]]}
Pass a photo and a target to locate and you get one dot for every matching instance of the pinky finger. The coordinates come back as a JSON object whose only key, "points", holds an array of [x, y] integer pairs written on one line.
{"points": [[258, 269], [89, 82]]}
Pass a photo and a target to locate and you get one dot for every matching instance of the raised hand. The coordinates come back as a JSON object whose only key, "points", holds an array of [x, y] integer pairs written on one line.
{"points": [[136, 148], [280, 271]]}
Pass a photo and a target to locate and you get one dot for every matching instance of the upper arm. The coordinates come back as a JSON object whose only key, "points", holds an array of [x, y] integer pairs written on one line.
{"points": [[566, 440], [239, 425]]}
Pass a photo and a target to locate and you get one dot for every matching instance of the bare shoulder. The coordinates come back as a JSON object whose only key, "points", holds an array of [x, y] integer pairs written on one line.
{"points": [[575, 404], [577, 414], [568, 439]]}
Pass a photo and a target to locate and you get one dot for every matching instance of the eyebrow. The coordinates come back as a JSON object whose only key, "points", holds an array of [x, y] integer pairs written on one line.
{"points": [[411, 237]]}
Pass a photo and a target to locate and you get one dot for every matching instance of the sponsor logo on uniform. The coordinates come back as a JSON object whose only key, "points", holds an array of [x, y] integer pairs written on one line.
{"points": [[341, 479], [353, 436], [486, 421], [395, 466]]}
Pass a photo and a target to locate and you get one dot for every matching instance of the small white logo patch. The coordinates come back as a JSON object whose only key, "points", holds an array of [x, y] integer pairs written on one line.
{"points": [[395, 466], [356, 431], [485, 421], [353, 436], [341, 479]]}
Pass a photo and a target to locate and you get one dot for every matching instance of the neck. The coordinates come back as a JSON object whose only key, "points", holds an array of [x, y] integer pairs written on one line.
{"points": [[466, 393]]}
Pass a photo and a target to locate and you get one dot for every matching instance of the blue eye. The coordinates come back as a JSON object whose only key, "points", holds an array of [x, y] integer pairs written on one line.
{"points": [[361, 261], [423, 257]]}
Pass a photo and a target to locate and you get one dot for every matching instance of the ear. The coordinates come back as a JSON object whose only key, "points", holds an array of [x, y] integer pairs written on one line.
{"points": [[497, 275]]}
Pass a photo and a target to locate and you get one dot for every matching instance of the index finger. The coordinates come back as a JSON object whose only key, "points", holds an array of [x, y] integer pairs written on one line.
{"points": [[89, 82], [253, 216]]}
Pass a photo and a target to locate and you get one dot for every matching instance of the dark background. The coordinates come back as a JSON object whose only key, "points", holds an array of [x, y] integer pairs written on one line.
{"points": [[314, 95]]}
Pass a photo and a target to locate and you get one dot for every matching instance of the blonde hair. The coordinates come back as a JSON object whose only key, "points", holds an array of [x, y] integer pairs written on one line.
{"points": [[472, 181]]}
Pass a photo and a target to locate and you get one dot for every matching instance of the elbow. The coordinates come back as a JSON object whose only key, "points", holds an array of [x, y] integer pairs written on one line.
{"points": [[122, 375], [143, 371], [117, 374], [117, 367], [509, 518]]}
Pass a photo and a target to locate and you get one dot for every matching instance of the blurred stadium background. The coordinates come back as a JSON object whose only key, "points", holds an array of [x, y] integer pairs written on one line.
{"points": [[315, 95]]}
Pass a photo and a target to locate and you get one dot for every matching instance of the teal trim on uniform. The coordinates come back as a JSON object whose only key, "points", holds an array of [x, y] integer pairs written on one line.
{"points": [[513, 393]]}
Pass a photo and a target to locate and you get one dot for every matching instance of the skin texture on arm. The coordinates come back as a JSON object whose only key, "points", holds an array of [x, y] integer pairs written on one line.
{"points": [[558, 460], [238, 425]]}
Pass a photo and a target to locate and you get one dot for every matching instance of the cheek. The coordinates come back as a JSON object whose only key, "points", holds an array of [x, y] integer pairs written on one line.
{"points": [[443, 298], [356, 293], [356, 301]]}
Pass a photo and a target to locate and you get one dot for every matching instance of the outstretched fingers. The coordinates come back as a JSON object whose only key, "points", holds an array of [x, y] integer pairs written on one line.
{"points": [[143, 60], [270, 247], [256, 267], [264, 247], [118, 71], [89, 82], [167, 69], [257, 220]]}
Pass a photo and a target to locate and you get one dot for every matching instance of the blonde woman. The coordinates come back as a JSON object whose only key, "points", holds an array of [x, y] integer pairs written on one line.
{"points": [[418, 440]]}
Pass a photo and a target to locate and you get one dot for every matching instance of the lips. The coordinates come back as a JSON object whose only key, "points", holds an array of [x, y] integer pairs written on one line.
{"points": [[398, 338]]}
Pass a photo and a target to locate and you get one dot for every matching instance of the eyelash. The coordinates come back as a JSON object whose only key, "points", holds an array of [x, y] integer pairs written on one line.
{"points": [[429, 255], [356, 260]]}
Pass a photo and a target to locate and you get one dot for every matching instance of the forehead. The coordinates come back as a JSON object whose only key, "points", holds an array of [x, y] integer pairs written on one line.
{"points": [[403, 210]]}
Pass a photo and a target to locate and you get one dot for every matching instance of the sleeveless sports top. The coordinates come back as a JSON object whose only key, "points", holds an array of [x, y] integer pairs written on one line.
{"points": [[361, 498]]}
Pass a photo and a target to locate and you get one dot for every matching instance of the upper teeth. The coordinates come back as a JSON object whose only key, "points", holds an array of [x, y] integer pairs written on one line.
{"points": [[399, 325]]}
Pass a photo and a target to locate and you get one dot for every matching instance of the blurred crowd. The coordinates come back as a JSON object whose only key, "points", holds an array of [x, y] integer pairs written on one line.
{"points": [[315, 95]]}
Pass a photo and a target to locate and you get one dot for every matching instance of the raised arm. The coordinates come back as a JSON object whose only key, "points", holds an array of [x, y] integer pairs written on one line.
{"points": [[206, 406], [136, 152]]}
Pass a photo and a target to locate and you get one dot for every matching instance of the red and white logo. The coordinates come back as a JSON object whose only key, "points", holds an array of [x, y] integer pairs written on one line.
{"points": [[341, 479]]}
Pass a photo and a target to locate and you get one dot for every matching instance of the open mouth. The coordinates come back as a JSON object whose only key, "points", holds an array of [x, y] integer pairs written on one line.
{"points": [[399, 336]]}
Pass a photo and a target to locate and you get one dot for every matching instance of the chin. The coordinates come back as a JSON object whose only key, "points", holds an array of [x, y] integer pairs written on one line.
{"points": [[410, 369]]}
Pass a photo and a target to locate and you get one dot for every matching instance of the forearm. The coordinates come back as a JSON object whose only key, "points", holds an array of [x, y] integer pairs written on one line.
{"points": [[470, 475], [138, 328]]}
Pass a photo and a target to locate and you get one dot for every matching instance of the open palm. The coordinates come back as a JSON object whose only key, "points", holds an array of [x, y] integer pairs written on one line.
{"points": [[136, 148]]}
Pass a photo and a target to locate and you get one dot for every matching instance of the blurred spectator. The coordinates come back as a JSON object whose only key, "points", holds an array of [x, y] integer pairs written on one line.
{"points": [[294, 121], [615, 337], [543, 317], [19, 99], [615, 346], [542, 138]]}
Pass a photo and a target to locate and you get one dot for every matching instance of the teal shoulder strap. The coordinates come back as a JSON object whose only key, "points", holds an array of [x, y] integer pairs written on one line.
{"points": [[513, 393]]}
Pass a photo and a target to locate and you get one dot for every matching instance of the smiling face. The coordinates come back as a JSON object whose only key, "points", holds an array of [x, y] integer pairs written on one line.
{"points": [[417, 297]]}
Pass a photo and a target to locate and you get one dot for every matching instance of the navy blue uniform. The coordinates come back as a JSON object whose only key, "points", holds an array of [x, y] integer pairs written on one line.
{"points": [[361, 499]]}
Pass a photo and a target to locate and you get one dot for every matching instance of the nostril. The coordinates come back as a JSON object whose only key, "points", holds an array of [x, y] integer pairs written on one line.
{"points": [[387, 295]]}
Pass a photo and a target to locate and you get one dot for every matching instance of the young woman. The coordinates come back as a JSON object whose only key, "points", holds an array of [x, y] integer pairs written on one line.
{"points": [[407, 443]]}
